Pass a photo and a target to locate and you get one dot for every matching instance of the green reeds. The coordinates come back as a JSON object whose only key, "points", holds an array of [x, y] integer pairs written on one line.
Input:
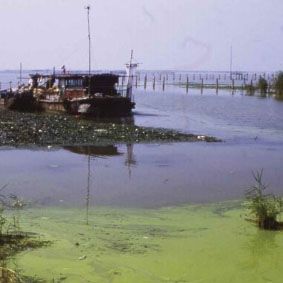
{"points": [[262, 85], [264, 207], [278, 84]]}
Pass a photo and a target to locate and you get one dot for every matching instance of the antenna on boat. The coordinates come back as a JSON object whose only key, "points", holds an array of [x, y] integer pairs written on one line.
{"points": [[89, 46]]}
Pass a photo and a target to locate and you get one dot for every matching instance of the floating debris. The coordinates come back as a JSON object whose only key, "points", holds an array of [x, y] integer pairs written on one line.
{"points": [[59, 129]]}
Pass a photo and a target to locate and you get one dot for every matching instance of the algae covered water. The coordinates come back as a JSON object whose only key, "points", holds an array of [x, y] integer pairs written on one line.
{"points": [[160, 211], [207, 243]]}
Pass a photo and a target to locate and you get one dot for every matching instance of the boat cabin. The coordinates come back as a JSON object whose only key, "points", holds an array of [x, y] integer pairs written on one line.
{"points": [[74, 86]]}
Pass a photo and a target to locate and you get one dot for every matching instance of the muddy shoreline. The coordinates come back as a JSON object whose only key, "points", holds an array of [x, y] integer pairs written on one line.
{"points": [[19, 129]]}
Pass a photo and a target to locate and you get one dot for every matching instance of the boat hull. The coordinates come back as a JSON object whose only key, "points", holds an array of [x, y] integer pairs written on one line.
{"points": [[101, 106], [22, 102], [96, 107]]}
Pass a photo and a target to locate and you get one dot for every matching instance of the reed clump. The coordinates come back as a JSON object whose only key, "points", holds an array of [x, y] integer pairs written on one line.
{"points": [[12, 239], [266, 208], [250, 89], [278, 84], [262, 85]]}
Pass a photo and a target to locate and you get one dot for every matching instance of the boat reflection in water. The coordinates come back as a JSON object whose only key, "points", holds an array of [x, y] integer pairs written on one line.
{"points": [[99, 151], [93, 152]]}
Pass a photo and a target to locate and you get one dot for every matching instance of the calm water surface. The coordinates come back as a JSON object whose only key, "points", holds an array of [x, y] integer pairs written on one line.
{"points": [[149, 175]]}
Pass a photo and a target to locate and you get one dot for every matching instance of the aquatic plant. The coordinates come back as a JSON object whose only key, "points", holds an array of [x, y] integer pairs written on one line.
{"points": [[2, 204], [8, 275], [265, 207], [250, 89], [278, 84], [13, 240], [262, 85]]}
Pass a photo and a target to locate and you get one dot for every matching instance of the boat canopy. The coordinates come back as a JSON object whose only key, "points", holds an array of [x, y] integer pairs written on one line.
{"points": [[99, 83]]}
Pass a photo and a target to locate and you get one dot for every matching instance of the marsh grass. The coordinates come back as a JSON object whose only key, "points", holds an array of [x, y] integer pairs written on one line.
{"points": [[250, 89], [12, 239], [262, 85], [265, 207], [278, 84]]}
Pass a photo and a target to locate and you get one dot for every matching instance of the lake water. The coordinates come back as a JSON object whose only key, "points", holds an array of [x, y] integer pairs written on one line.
{"points": [[95, 204], [149, 175]]}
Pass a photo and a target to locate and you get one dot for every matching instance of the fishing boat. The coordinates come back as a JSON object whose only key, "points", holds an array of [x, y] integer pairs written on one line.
{"points": [[97, 94]]}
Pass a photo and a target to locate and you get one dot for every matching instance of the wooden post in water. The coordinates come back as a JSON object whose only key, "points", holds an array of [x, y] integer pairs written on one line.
{"points": [[180, 77], [167, 77], [216, 85], [233, 84], [201, 85], [145, 81], [136, 81], [153, 82], [225, 76], [163, 84], [187, 84]]}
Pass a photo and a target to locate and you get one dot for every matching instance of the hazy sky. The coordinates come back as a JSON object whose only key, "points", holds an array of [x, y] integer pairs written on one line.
{"points": [[165, 34]]}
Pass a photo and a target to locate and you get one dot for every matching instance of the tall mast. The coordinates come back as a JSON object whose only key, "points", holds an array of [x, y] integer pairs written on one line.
{"points": [[89, 47], [131, 57]]}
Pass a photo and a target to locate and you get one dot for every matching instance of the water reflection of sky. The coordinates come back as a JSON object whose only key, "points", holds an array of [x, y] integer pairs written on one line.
{"points": [[142, 175], [148, 175], [233, 117]]}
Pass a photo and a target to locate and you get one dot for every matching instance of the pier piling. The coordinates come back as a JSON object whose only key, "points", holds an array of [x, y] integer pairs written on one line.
{"points": [[145, 81]]}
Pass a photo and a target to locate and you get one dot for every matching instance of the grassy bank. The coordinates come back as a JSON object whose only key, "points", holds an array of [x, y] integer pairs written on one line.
{"points": [[210, 243]]}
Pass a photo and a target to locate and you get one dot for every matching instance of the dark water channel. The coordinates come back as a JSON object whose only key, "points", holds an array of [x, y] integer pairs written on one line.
{"points": [[149, 175]]}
